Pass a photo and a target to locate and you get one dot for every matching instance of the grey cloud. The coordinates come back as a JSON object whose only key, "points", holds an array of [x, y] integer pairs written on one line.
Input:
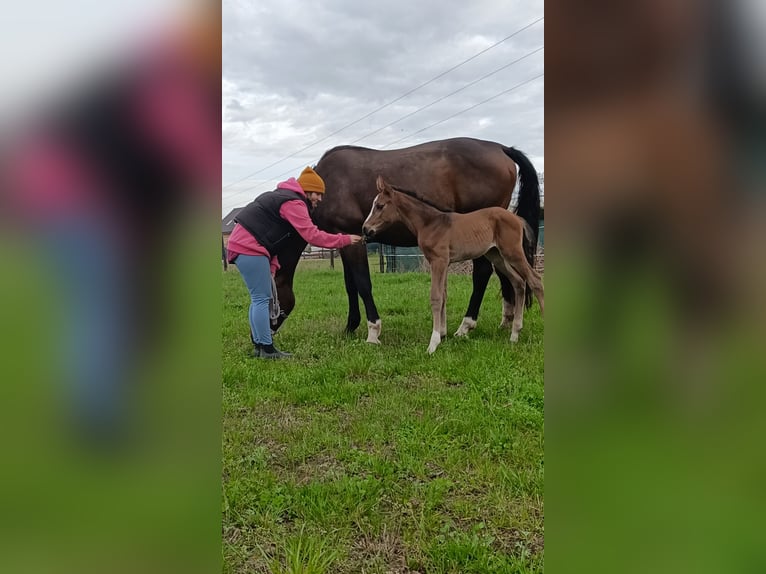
{"points": [[295, 72]]}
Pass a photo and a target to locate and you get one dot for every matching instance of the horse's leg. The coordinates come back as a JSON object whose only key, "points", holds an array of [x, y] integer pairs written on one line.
{"points": [[438, 279], [356, 271], [519, 288], [443, 314], [284, 283], [502, 264], [283, 279], [508, 292], [482, 271], [517, 260], [354, 316]]}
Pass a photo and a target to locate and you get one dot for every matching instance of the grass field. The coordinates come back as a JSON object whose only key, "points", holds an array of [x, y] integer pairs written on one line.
{"points": [[356, 458]]}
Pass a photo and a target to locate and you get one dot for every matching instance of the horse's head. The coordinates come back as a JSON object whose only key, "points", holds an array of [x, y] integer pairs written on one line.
{"points": [[384, 212]]}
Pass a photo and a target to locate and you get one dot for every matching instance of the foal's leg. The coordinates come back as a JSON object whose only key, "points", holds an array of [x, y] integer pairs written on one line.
{"points": [[519, 263], [438, 278], [517, 282], [509, 297], [443, 314], [519, 290], [508, 313]]}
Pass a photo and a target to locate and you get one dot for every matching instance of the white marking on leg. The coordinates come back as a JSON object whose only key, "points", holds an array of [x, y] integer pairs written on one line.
{"points": [[466, 326], [436, 338], [373, 332], [518, 323]]}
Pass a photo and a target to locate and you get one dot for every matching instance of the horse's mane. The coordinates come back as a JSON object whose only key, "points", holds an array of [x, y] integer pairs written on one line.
{"points": [[415, 195]]}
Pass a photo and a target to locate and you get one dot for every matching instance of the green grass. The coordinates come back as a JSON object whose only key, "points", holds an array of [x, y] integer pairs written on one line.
{"points": [[354, 458]]}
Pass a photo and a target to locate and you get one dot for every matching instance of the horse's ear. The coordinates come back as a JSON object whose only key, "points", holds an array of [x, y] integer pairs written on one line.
{"points": [[380, 184]]}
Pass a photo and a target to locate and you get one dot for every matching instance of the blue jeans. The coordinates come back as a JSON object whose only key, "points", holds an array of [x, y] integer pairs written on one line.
{"points": [[94, 333], [256, 272]]}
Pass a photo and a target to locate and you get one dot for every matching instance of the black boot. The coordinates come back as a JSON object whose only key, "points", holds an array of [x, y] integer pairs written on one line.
{"points": [[271, 352]]}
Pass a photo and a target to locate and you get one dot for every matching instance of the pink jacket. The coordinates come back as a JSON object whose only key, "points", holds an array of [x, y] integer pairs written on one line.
{"points": [[241, 242]]}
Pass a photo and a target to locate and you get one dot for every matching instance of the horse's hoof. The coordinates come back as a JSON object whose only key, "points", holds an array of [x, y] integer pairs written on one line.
{"points": [[514, 337], [373, 332], [466, 326]]}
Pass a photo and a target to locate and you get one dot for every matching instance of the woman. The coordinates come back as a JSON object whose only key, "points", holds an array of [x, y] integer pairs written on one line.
{"points": [[255, 242]]}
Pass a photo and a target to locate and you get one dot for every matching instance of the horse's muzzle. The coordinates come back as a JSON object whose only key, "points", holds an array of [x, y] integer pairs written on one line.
{"points": [[368, 233]]}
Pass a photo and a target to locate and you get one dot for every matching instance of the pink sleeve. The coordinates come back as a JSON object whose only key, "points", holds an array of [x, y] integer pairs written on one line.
{"points": [[296, 213], [171, 108]]}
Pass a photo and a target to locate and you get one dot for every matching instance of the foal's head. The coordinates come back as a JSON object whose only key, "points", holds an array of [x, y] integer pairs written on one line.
{"points": [[384, 212]]}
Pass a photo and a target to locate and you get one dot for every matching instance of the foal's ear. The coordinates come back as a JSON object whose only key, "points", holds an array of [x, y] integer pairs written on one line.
{"points": [[380, 184]]}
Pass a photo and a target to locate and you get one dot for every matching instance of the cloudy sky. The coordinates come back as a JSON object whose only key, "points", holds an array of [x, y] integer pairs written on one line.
{"points": [[295, 72]]}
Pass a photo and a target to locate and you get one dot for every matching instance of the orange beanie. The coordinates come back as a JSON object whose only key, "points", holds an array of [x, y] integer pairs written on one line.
{"points": [[310, 181]]}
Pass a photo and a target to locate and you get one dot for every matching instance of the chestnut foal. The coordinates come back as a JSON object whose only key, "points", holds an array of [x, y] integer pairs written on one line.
{"points": [[447, 237]]}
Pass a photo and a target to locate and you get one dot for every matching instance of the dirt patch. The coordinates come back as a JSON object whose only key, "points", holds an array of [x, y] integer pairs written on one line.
{"points": [[512, 540], [321, 467], [386, 549]]}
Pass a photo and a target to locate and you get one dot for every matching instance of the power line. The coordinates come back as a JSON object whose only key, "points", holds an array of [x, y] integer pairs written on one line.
{"points": [[293, 170], [422, 129], [515, 87], [385, 105], [289, 171], [468, 85], [466, 109]]}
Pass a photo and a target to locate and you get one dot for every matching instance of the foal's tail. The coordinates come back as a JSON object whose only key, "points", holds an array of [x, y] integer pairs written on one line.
{"points": [[528, 205], [528, 244]]}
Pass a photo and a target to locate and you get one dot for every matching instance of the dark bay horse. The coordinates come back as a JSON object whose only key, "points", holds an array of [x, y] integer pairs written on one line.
{"points": [[448, 237], [459, 174]]}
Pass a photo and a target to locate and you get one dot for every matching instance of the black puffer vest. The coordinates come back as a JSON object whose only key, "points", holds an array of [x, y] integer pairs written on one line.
{"points": [[261, 218]]}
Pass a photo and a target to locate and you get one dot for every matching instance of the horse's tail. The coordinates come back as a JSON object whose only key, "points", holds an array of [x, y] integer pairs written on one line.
{"points": [[528, 205]]}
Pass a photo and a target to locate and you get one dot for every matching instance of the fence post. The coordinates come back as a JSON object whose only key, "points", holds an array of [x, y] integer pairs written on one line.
{"points": [[223, 254], [380, 256], [332, 258], [393, 259]]}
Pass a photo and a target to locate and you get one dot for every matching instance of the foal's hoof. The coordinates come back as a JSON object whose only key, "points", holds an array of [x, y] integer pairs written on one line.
{"points": [[514, 337], [466, 327], [435, 340]]}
